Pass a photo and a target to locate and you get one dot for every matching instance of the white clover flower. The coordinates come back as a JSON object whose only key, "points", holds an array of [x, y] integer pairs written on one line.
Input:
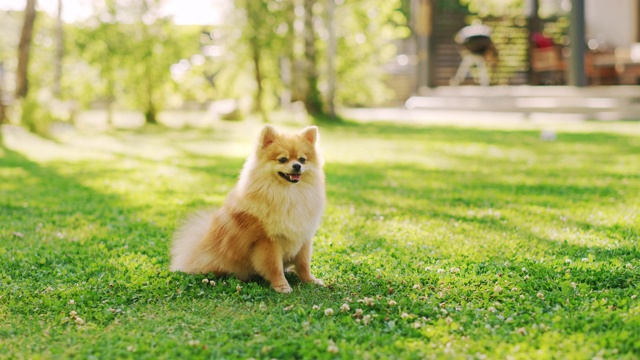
{"points": [[367, 301], [404, 315], [633, 297], [416, 286], [72, 302], [585, 259], [497, 289], [238, 288], [629, 266], [328, 312], [315, 307], [440, 271], [212, 283], [332, 348], [454, 270], [344, 308], [521, 331], [522, 297], [392, 303], [358, 313], [79, 320], [515, 289], [524, 269], [492, 309], [540, 295], [73, 314], [448, 320], [205, 281], [417, 325], [193, 342], [366, 319], [526, 277], [568, 261]]}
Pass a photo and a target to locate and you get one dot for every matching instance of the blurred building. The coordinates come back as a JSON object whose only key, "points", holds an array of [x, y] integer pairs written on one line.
{"points": [[611, 47]]}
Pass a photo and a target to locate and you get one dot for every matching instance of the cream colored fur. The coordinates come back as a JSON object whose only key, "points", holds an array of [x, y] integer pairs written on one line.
{"points": [[266, 223]]}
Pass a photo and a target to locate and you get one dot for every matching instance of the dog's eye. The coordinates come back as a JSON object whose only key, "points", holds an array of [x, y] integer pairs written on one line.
{"points": [[282, 160], [302, 160]]}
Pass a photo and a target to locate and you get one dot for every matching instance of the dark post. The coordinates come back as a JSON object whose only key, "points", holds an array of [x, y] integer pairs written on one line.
{"points": [[577, 74], [535, 26], [422, 24]]}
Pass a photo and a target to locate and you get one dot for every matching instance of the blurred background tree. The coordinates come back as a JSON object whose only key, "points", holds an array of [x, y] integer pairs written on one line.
{"points": [[24, 49], [265, 55]]}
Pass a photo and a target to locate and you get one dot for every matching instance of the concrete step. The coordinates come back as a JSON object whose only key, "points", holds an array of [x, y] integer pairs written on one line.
{"points": [[598, 103]]}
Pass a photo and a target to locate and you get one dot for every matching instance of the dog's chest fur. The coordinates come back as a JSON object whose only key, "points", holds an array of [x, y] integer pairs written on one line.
{"points": [[289, 217]]}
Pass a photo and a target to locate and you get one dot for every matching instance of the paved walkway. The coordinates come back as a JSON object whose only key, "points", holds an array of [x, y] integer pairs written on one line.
{"points": [[525, 102]]}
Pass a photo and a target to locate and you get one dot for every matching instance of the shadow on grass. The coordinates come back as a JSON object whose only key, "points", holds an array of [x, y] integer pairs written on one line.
{"points": [[65, 240], [464, 205], [111, 258], [62, 240]]}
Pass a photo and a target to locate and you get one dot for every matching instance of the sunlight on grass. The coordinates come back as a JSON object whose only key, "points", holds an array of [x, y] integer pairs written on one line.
{"points": [[449, 242]]}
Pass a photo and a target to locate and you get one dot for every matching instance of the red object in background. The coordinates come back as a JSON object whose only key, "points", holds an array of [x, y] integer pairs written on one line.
{"points": [[541, 41]]}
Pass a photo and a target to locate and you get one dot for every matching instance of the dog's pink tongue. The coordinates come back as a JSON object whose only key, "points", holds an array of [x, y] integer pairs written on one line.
{"points": [[295, 177]]}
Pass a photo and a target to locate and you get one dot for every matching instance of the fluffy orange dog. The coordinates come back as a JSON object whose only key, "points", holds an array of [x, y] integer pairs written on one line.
{"points": [[268, 220]]}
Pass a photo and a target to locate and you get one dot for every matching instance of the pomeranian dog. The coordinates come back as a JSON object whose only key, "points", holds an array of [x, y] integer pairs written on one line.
{"points": [[268, 220]]}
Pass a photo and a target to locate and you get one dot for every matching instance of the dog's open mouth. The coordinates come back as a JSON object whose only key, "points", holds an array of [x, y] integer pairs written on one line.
{"points": [[292, 178]]}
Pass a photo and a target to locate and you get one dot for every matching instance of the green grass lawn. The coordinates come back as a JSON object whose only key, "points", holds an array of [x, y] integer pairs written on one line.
{"points": [[437, 242]]}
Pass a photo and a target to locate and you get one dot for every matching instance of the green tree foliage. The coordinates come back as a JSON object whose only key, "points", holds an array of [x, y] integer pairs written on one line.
{"points": [[151, 54], [366, 30], [485, 8], [129, 54], [100, 44], [133, 46]]}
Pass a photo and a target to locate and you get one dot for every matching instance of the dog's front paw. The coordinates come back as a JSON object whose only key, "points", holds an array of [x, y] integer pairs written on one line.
{"points": [[283, 289]]}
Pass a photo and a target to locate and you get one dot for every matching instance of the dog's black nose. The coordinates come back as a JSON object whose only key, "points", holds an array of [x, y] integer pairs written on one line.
{"points": [[296, 167]]}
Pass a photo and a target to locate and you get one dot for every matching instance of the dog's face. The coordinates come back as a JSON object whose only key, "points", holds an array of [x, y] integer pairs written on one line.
{"points": [[290, 158]]}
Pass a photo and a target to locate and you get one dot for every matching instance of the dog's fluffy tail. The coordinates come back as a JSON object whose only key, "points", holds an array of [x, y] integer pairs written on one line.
{"points": [[186, 241]]}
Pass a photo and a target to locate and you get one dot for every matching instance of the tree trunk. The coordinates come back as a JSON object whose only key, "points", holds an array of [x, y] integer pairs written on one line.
{"points": [[331, 55], [150, 113], [57, 76], [3, 115], [312, 100], [24, 47], [255, 17], [295, 51], [256, 55]]}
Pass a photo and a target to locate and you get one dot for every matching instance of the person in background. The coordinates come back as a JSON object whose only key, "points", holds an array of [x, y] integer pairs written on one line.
{"points": [[476, 49]]}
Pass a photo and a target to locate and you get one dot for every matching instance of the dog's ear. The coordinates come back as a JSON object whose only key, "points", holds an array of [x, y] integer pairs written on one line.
{"points": [[310, 134], [268, 136]]}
